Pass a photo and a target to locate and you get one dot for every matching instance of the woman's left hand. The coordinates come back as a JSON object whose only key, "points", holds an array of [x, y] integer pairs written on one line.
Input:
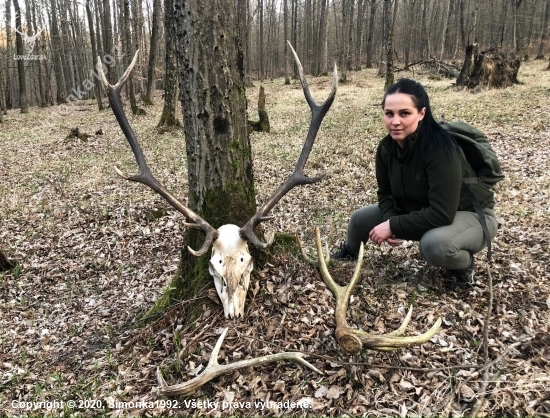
{"points": [[381, 232]]}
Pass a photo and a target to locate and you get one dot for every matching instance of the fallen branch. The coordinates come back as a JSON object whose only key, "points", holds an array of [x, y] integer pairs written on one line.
{"points": [[214, 369]]}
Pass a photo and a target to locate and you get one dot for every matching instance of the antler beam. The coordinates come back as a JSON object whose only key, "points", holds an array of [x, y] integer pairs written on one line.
{"points": [[213, 369], [352, 340], [145, 176], [297, 178]]}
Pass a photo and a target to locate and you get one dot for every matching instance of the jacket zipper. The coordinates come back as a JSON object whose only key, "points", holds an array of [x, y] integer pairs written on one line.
{"points": [[400, 160]]}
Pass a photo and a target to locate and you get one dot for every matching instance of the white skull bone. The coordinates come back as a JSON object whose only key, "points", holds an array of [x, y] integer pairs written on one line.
{"points": [[230, 266]]}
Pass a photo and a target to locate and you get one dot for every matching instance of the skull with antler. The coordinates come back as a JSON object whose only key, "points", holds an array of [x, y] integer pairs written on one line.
{"points": [[29, 40], [231, 262]]}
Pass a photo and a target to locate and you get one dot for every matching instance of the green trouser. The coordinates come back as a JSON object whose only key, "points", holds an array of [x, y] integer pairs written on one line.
{"points": [[450, 247]]}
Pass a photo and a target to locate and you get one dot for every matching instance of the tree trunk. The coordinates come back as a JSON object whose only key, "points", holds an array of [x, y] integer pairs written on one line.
{"points": [[425, 38], [370, 38], [285, 48], [261, 39], [39, 63], [128, 54], [544, 34], [389, 44], [344, 41], [148, 99], [444, 31], [359, 34], [219, 159], [20, 63], [9, 104], [108, 38], [94, 51], [168, 117]]}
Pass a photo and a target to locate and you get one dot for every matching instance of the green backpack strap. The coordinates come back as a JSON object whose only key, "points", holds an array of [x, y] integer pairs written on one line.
{"points": [[480, 215]]}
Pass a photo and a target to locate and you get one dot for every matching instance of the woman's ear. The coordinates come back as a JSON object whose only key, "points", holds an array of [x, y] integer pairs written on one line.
{"points": [[422, 113]]}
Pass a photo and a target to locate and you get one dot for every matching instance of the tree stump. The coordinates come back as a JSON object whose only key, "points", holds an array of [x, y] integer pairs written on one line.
{"points": [[5, 264], [491, 68], [263, 124]]}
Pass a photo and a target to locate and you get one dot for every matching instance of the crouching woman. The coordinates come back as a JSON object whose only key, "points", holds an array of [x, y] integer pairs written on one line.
{"points": [[419, 170]]}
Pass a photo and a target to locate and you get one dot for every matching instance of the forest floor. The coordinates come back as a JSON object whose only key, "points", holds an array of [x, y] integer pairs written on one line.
{"points": [[91, 261]]}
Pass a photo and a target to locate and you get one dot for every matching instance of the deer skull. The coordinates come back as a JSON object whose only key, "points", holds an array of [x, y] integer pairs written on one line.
{"points": [[230, 266]]}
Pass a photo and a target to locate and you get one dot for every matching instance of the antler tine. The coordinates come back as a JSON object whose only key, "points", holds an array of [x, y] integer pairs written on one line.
{"points": [[352, 340], [145, 176], [214, 369], [297, 177]]}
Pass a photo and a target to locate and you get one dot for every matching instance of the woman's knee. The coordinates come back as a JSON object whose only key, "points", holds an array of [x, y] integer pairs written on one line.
{"points": [[366, 217], [437, 248]]}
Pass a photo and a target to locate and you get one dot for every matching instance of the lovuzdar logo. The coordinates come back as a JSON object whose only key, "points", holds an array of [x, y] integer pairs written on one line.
{"points": [[29, 41]]}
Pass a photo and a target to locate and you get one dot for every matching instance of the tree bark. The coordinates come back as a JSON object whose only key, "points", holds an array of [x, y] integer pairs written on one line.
{"points": [[444, 31], [544, 35], [168, 117], [108, 38], [9, 104], [94, 51], [39, 63], [389, 44], [220, 176], [285, 47], [152, 53], [20, 63], [370, 37], [128, 55]]}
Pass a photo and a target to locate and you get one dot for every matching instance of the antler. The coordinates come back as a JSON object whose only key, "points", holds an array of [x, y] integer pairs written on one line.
{"points": [[297, 178], [213, 369], [38, 32], [352, 340], [20, 33], [145, 176]]}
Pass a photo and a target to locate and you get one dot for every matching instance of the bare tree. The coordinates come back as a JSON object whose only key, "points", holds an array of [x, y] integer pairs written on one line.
{"points": [[285, 24], [370, 36], [388, 43], [90, 17], [544, 34], [148, 99], [168, 117], [107, 36], [20, 62]]}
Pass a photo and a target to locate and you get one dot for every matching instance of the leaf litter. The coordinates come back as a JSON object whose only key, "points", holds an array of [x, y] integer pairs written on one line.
{"points": [[91, 261]]}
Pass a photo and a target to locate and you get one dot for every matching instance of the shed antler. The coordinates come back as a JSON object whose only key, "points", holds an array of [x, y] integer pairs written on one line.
{"points": [[213, 369], [352, 340], [297, 178], [145, 176]]}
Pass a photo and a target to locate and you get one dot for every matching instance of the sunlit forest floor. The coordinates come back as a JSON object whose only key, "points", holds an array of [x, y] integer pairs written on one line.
{"points": [[90, 262]]}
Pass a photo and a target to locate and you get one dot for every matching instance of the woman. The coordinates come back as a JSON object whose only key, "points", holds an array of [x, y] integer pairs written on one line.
{"points": [[419, 170]]}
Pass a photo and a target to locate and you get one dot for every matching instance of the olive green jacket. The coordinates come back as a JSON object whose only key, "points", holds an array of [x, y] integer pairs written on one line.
{"points": [[417, 196]]}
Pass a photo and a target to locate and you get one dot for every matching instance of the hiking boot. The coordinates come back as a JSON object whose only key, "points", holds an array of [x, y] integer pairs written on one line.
{"points": [[464, 279], [342, 253]]}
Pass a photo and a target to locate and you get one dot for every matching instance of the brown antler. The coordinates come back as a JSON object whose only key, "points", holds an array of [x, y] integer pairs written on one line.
{"points": [[352, 340], [145, 176], [297, 178], [213, 369]]}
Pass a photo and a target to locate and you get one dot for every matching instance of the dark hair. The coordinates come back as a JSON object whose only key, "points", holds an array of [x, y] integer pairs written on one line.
{"points": [[431, 134]]}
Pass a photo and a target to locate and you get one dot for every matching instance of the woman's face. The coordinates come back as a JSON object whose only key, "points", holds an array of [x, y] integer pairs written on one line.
{"points": [[401, 117]]}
